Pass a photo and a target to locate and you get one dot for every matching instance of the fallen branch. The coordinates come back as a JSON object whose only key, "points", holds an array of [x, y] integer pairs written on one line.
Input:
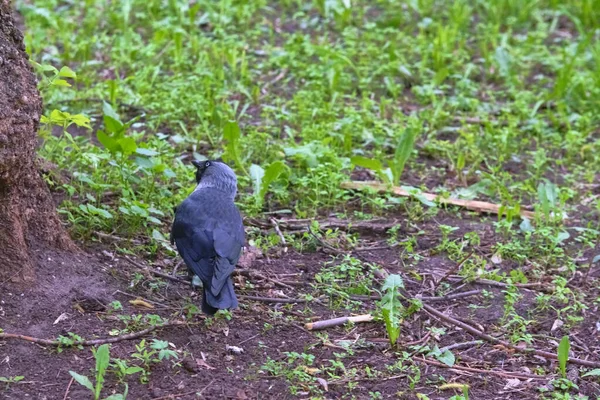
{"points": [[330, 323], [474, 205], [429, 299], [94, 342], [532, 285], [491, 339], [461, 345], [157, 273], [502, 374], [243, 272], [255, 275], [270, 300], [452, 270]]}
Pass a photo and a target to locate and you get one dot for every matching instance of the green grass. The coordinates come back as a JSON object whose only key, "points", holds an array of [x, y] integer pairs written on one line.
{"points": [[501, 97]]}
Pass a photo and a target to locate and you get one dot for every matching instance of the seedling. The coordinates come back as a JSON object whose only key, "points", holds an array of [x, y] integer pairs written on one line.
{"points": [[102, 356], [391, 307]]}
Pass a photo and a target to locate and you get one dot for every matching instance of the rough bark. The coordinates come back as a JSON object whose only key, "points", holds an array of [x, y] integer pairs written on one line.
{"points": [[28, 219]]}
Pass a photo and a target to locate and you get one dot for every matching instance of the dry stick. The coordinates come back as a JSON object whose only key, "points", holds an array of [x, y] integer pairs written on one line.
{"points": [[116, 238], [155, 272], [502, 374], [453, 270], [270, 300], [461, 345], [329, 323], [94, 342], [255, 275], [491, 339], [247, 273], [427, 298], [68, 388], [534, 285], [276, 226], [478, 206]]}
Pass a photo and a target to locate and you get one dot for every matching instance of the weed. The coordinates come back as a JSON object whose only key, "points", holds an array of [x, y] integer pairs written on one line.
{"points": [[150, 355], [8, 380], [102, 356], [391, 308]]}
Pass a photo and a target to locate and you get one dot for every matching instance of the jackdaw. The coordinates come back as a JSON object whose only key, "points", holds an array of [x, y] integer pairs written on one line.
{"points": [[209, 233]]}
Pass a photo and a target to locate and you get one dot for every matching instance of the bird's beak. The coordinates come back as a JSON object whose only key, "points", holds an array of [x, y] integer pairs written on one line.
{"points": [[198, 164]]}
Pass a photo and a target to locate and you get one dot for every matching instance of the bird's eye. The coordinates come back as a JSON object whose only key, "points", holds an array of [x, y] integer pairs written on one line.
{"points": [[207, 164]]}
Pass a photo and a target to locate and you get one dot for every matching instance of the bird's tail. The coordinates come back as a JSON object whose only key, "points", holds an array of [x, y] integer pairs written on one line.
{"points": [[225, 299]]}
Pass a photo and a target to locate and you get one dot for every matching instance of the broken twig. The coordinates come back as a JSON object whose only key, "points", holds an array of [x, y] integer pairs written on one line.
{"points": [[94, 342], [474, 205], [330, 323], [491, 339]]}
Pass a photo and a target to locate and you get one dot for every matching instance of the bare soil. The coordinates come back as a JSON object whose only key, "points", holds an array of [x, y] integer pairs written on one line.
{"points": [[80, 286]]}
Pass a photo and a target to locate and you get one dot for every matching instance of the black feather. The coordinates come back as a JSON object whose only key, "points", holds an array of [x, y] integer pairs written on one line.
{"points": [[209, 235]]}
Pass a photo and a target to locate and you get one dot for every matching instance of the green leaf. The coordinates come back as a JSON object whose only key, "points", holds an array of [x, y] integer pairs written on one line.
{"points": [[48, 68], [108, 142], [392, 325], [391, 308], [596, 259], [146, 152], [98, 211], [108, 111], [67, 72], [58, 117], [274, 170], [404, 150], [232, 134], [82, 380], [159, 344], [61, 82], [144, 162], [594, 372], [257, 173], [562, 236], [368, 163], [133, 370], [127, 145], [81, 120], [102, 359], [563, 355], [447, 357], [117, 396], [113, 126], [393, 283], [441, 76]]}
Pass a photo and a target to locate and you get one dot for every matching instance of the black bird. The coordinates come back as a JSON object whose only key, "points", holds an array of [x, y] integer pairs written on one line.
{"points": [[209, 233]]}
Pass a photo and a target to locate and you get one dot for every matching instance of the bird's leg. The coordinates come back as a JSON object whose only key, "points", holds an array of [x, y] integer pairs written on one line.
{"points": [[196, 282]]}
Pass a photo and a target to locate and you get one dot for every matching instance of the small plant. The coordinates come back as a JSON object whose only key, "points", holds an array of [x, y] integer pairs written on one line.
{"points": [[391, 308], [262, 178], [159, 350], [563, 355], [102, 356], [69, 341], [11, 379], [393, 173], [122, 369]]}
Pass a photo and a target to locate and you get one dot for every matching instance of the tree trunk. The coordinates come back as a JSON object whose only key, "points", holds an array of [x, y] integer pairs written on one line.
{"points": [[28, 218]]}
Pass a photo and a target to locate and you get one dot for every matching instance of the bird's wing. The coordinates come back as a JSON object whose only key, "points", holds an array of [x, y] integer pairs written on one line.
{"points": [[197, 251], [228, 249]]}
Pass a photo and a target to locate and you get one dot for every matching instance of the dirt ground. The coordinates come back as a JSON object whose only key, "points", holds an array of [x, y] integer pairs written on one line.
{"points": [[80, 286]]}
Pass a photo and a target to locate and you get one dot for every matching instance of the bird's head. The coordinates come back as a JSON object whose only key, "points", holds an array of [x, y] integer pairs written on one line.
{"points": [[215, 174]]}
